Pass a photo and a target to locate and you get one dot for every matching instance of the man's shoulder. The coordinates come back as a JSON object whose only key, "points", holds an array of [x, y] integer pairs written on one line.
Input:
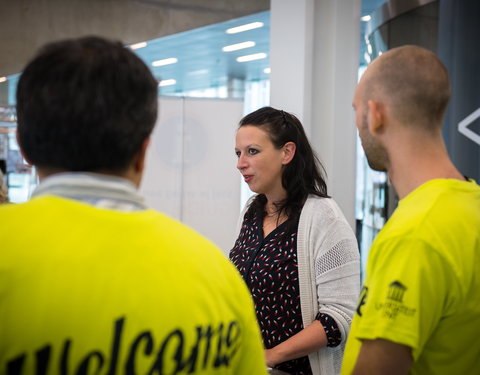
{"points": [[442, 217], [437, 192], [12, 210], [44, 215]]}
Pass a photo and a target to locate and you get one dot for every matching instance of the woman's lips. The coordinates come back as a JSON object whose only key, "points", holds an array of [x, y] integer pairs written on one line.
{"points": [[247, 178]]}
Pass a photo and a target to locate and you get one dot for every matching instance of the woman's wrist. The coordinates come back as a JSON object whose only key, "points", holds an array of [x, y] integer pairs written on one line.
{"points": [[273, 356]]}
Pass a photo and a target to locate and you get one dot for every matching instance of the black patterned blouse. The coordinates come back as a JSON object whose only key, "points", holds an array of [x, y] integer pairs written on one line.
{"points": [[269, 267]]}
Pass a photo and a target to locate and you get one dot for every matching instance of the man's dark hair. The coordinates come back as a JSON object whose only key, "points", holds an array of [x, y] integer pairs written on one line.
{"points": [[85, 104]]}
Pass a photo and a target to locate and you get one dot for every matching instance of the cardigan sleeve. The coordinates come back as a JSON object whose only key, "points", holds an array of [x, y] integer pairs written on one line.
{"points": [[331, 254], [337, 275]]}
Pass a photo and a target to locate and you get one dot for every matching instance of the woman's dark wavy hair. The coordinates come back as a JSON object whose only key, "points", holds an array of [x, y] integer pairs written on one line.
{"points": [[303, 175]]}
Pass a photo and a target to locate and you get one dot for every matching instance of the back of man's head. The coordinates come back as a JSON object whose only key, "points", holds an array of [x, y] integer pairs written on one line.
{"points": [[413, 82], [85, 104]]}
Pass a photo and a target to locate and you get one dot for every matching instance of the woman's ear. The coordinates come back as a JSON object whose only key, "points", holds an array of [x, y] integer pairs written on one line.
{"points": [[289, 149]]}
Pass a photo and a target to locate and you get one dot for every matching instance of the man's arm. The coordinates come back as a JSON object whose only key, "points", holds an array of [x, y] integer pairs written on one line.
{"points": [[383, 357]]}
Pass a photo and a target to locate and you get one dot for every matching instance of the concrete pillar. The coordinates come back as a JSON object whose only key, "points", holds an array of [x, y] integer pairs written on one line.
{"points": [[291, 57], [314, 51]]}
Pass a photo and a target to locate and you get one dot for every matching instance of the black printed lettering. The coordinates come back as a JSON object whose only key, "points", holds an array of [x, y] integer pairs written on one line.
{"points": [[117, 336], [191, 362], [83, 368], [233, 333], [208, 337], [363, 300], [220, 359], [233, 337], [43, 359], [64, 358], [177, 357], [212, 347], [144, 336], [15, 366]]}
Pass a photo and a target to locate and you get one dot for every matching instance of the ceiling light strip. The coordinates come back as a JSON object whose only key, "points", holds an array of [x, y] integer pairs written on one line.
{"points": [[237, 46], [170, 60], [255, 56], [248, 26], [167, 82], [138, 45]]}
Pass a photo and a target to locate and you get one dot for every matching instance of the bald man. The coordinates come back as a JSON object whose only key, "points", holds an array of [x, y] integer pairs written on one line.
{"points": [[419, 310]]}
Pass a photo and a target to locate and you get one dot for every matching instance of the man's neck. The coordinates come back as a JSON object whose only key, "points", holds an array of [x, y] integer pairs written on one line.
{"points": [[409, 170]]}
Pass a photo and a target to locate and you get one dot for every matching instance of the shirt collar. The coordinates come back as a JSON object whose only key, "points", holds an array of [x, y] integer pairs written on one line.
{"points": [[99, 190]]}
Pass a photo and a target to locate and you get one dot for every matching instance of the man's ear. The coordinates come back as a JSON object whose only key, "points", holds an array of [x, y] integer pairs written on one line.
{"points": [[139, 161], [21, 149], [375, 117], [289, 149]]}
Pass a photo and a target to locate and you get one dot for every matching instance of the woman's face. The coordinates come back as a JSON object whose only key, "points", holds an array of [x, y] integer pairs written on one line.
{"points": [[259, 162]]}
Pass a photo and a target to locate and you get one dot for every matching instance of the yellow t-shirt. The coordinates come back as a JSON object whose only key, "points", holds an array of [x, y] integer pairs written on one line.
{"points": [[85, 290], [422, 286]]}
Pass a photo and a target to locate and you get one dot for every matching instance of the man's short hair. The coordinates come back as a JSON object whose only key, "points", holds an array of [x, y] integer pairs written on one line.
{"points": [[85, 104], [414, 82]]}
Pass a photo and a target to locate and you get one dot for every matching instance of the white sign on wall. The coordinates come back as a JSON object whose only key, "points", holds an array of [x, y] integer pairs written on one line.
{"points": [[463, 126], [191, 170]]}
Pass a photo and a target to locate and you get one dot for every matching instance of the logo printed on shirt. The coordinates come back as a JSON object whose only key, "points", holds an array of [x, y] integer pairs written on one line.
{"points": [[362, 300], [396, 291], [394, 306]]}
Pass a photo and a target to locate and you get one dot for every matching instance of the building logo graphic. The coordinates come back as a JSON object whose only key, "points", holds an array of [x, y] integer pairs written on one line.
{"points": [[393, 305], [396, 291]]}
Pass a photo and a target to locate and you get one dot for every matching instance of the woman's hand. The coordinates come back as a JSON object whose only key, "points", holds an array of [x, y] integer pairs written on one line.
{"points": [[271, 356], [307, 341]]}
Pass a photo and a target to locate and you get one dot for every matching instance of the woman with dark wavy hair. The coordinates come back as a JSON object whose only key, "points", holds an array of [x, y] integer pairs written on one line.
{"points": [[295, 249]]}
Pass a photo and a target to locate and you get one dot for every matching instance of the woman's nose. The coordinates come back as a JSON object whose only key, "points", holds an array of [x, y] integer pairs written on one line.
{"points": [[241, 162]]}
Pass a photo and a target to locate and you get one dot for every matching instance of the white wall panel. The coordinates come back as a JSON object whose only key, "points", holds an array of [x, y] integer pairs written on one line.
{"points": [[162, 181], [190, 172]]}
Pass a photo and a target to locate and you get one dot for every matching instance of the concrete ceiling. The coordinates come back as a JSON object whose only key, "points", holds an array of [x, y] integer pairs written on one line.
{"points": [[26, 25], [201, 61]]}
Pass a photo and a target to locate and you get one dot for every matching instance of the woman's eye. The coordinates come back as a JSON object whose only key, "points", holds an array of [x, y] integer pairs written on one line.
{"points": [[252, 151], [237, 153]]}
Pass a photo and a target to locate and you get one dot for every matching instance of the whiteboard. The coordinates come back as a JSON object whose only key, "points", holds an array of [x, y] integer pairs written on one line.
{"points": [[190, 171]]}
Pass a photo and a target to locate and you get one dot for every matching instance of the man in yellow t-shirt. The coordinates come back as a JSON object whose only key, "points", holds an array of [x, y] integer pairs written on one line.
{"points": [[91, 280], [419, 310]]}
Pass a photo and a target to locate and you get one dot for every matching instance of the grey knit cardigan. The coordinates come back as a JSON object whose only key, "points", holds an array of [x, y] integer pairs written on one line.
{"points": [[329, 273]]}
